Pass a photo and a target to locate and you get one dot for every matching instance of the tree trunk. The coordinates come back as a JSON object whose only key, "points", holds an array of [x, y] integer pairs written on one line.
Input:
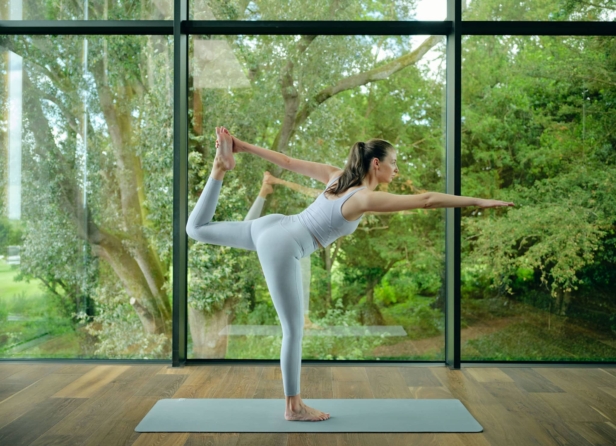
{"points": [[205, 331]]}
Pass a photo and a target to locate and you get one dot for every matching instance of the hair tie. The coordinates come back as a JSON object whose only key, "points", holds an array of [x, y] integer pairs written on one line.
{"points": [[362, 146]]}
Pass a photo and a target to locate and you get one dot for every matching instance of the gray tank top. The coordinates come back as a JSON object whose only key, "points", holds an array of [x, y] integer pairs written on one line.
{"points": [[324, 220]]}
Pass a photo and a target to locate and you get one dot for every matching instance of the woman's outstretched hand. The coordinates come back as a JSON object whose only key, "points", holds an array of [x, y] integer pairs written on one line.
{"points": [[493, 203]]}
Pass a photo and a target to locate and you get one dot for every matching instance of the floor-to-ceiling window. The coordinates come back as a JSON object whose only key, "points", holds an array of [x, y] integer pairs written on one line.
{"points": [[375, 294], [87, 177]]}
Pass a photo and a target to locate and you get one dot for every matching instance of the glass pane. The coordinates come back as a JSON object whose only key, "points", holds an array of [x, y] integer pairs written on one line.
{"points": [[86, 10], [553, 10], [86, 187], [318, 10], [376, 293], [538, 130]]}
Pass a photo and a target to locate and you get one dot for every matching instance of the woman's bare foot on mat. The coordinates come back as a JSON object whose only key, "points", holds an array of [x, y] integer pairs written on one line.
{"points": [[296, 410], [224, 148]]}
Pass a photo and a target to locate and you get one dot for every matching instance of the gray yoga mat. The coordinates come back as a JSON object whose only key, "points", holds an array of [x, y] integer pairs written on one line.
{"points": [[346, 415]]}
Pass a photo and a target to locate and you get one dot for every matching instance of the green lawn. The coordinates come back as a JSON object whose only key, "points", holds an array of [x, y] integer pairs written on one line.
{"points": [[9, 288]]}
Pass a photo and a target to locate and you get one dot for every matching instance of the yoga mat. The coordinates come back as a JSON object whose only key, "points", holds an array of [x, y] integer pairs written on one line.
{"points": [[346, 415]]}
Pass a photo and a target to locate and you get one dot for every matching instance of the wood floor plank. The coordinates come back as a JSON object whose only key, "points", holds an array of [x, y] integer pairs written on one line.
{"points": [[606, 430], [562, 433], [203, 383], [352, 389], [36, 393], [488, 375], [262, 439], [161, 386], [610, 370], [361, 439], [169, 370], [239, 382], [532, 380], [161, 439], [121, 430], [7, 369], [301, 439], [316, 383], [598, 434], [577, 378], [267, 387], [274, 373], [33, 373], [34, 423], [349, 374], [419, 377], [429, 392], [387, 382], [74, 369], [433, 439], [10, 388], [91, 382], [210, 439], [515, 399], [571, 408], [488, 411], [611, 391], [77, 427]]}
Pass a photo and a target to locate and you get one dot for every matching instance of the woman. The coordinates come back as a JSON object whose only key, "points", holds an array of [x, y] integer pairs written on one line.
{"points": [[267, 187], [281, 241]]}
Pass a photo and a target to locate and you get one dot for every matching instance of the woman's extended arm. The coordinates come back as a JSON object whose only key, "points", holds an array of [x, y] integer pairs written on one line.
{"points": [[318, 171], [386, 202], [298, 187]]}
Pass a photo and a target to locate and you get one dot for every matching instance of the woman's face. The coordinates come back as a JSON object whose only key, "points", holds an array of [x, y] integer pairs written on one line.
{"points": [[388, 168]]}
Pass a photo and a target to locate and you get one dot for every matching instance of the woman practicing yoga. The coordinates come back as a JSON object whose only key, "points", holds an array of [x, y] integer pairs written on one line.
{"points": [[282, 240]]}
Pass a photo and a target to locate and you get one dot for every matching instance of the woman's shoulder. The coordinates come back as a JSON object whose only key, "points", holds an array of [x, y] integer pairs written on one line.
{"points": [[334, 176]]}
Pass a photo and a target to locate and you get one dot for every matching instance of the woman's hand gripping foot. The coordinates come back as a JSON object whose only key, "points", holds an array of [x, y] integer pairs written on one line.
{"points": [[224, 149]]}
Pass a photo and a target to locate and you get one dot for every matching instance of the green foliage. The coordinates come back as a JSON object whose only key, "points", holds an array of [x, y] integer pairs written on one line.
{"points": [[417, 317], [10, 235]]}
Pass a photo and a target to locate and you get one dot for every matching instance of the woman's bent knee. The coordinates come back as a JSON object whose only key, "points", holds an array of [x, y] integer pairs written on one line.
{"points": [[193, 232]]}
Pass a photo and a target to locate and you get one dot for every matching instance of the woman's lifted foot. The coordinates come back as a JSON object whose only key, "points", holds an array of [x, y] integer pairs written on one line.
{"points": [[224, 148], [296, 410]]}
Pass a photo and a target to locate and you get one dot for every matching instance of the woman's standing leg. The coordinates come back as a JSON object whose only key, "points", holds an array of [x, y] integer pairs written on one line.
{"points": [[279, 255]]}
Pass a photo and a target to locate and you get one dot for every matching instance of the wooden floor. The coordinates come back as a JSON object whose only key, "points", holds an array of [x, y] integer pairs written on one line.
{"points": [[91, 404]]}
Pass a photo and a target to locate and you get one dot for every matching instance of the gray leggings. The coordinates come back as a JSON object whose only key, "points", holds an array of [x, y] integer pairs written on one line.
{"points": [[280, 241]]}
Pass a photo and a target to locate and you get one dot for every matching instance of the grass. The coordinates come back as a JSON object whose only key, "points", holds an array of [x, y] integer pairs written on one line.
{"points": [[10, 289]]}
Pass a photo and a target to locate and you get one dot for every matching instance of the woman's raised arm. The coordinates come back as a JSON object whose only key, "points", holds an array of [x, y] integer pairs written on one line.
{"points": [[386, 202], [318, 171]]}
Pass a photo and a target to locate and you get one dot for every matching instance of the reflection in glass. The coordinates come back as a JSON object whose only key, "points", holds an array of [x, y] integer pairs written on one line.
{"points": [[86, 10], [85, 215], [538, 280], [215, 66], [374, 294]]}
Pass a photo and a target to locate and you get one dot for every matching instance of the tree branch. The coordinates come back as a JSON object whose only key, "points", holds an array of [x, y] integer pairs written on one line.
{"points": [[290, 96], [376, 74]]}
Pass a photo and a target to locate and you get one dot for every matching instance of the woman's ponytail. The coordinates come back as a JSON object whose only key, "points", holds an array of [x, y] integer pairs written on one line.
{"points": [[358, 163]]}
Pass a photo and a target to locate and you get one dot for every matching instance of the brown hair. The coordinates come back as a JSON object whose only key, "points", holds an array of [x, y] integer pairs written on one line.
{"points": [[358, 163]]}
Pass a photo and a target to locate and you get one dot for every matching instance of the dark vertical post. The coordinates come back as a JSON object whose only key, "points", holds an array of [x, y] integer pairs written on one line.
{"points": [[453, 216], [180, 181]]}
